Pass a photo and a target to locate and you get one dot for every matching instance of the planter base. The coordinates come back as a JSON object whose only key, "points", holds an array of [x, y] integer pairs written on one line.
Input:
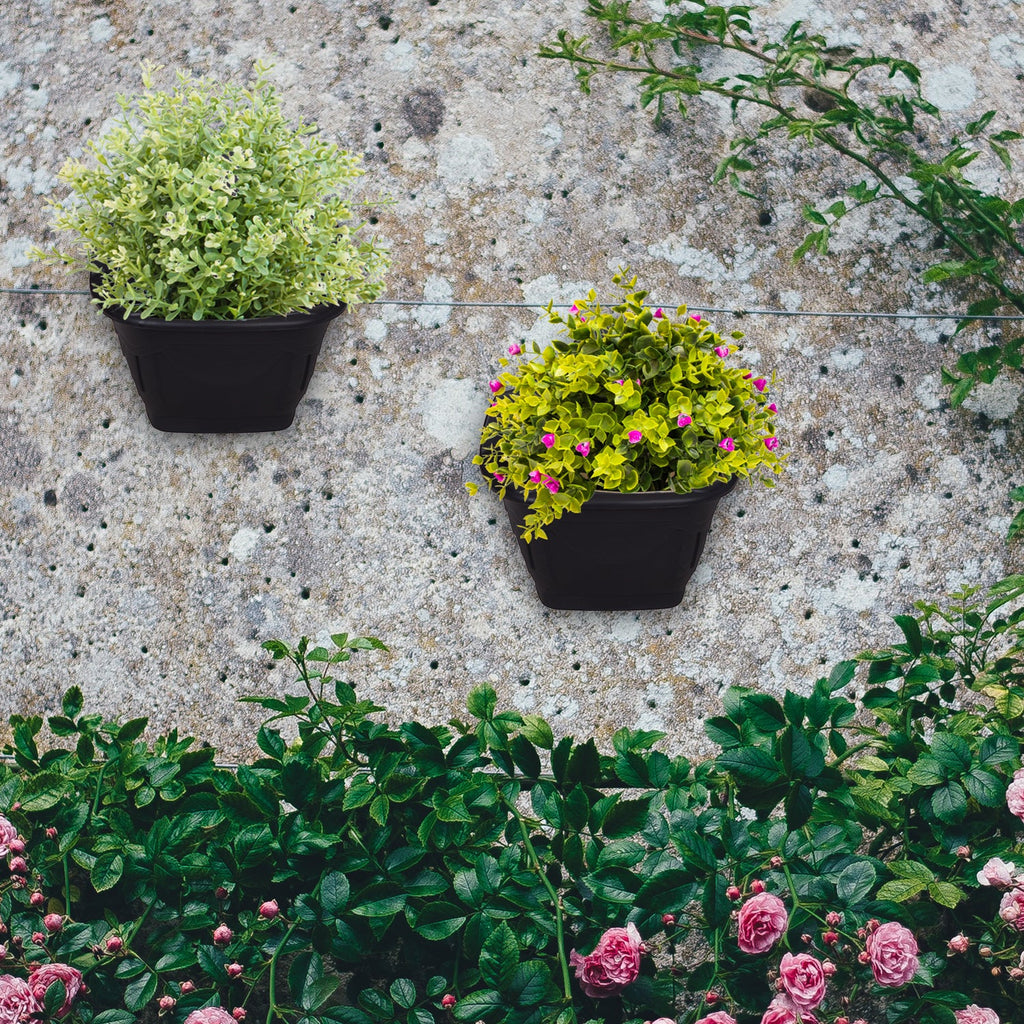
{"points": [[222, 376], [621, 551]]}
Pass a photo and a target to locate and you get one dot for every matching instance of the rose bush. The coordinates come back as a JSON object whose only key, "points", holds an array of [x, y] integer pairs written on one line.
{"points": [[824, 866]]}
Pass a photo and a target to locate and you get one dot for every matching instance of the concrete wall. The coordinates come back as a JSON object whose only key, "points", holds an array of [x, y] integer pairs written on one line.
{"points": [[148, 567]]}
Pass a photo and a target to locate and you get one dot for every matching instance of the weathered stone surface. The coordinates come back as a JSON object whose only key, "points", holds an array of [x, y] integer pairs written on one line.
{"points": [[148, 568]]}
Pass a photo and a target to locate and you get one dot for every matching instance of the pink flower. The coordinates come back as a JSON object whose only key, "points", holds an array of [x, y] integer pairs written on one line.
{"points": [[760, 383], [53, 922], [997, 872], [893, 952], [43, 977], [718, 1017], [1011, 908], [613, 965], [238, 1013], [168, 1002], [958, 944], [495, 386], [635, 436], [762, 920], [782, 1011], [551, 484], [234, 970], [1015, 796], [515, 350], [772, 408], [8, 834], [548, 440], [270, 909], [803, 978], [448, 1000], [728, 444], [583, 448], [222, 935], [684, 421], [721, 351], [975, 1014], [771, 443], [115, 944], [573, 309], [695, 316], [18, 866], [499, 478], [535, 475], [17, 1003], [657, 316], [210, 1015], [662, 1020]]}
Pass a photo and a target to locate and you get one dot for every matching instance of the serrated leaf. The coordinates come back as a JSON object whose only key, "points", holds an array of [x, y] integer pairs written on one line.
{"points": [[901, 889], [499, 957], [945, 893], [855, 882]]}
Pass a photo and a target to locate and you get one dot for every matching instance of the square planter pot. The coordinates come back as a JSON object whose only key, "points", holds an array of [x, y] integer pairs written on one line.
{"points": [[222, 376], [620, 551]]}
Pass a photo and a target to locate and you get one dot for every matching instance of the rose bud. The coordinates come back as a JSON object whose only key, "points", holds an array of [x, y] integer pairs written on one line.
{"points": [[776, 861], [18, 866], [168, 1003], [963, 852], [51, 833], [238, 1013], [186, 987], [668, 920], [733, 893], [832, 918], [448, 1001], [234, 970], [222, 935], [115, 944], [864, 957], [38, 938], [53, 922], [830, 938], [757, 886], [269, 910], [16, 845], [37, 899], [220, 892], [711, 998]]}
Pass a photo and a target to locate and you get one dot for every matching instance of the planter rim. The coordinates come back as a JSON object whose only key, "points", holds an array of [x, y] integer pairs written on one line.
{"points": [[649, 499], [318, 314]]}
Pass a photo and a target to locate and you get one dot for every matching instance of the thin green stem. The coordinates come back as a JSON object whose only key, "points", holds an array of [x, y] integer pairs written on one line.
{"points": [[272, 981]]}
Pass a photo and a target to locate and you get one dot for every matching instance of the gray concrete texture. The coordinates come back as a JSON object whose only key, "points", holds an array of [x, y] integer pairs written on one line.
{"points": [[148, 567]]}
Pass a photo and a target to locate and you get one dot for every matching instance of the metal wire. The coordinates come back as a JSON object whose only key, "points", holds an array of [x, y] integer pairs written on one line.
{"points": [[738, 311]]}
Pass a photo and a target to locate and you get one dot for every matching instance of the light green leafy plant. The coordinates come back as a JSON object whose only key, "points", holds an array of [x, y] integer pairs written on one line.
{"points": [[205, 203], [629, 399]]}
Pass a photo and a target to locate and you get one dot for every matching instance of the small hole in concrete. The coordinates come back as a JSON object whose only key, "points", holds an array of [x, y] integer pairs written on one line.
{"points": [[433, 664], [305, 593]]}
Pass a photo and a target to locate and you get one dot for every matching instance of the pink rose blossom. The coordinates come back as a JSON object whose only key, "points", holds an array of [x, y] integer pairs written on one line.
{"points": [[728, 444], [17, 1003], [8, 835], [762, 920], [635, 436], [43, 977], [1015, 796], [661, 1020], [893, 952], [718, 1017], [613, 965], [975, 1014], [548, 440], [234, 970], [269, 909], [18, 866], [222, 935], [210, 1015], [771, 443], [168, 1002], [803, 978], [782, 1011], [53, 922], [958, 944], [684, 421], [583, 448], [1011, 908]]}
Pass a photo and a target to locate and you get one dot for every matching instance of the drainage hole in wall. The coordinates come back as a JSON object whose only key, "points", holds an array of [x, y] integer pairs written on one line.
{"points": [[433, 664], [304, 593]]}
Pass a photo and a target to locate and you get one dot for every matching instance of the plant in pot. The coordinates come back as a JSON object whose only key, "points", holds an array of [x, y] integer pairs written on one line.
{"points": [[613, 445], [220, 241]]}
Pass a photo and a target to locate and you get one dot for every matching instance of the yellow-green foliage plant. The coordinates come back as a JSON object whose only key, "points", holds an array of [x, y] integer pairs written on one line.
{"points": [[204, 202], [626, 399]]}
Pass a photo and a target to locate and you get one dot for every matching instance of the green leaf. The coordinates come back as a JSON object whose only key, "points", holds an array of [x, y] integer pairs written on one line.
{"points": [[379, 901], [334, 893], [626, 818], [482, 701], [72, 702], [855, 882], [949, 803], [985, 787], [945, 893], [751, 766], [403, 992], [140, 991], [439, 919], [764, 712], [107, 871], [952, 752], [901, 889], [477, 1005], [499, 957], [926, 771]]}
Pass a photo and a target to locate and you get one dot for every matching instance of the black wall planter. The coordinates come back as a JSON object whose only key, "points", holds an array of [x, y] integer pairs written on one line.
{"points": [[222, 376], [621, 551]]}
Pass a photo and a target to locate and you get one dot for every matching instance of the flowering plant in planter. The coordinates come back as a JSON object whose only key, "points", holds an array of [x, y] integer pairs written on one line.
{"points": [[824, 868], [205, 203], [628, 399]]}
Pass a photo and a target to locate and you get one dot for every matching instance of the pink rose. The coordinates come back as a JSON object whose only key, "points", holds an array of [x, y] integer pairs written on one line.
{"points": [[997, 872], [958, 944], [1011, 908], [762, 920], [613, 965], [975, 1014], [210, 1015], [803, 978], [1015, 796], [43, 977], [782, 1011], [718, 1017], [8, 834], [893, 952], [17, 1003]]}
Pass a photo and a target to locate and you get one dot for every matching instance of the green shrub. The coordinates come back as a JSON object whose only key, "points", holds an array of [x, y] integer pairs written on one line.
{"points": [[204, 202]]}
